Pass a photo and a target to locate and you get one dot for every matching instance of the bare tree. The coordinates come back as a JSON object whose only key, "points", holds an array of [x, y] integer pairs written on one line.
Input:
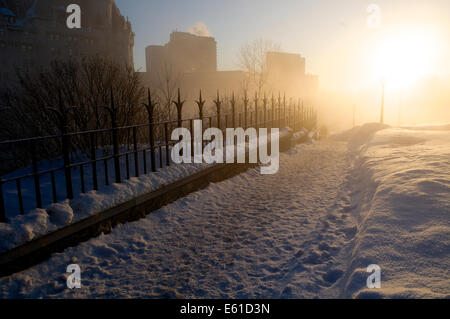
{"points": [[83, 85], [252, 58], [169, 80]]}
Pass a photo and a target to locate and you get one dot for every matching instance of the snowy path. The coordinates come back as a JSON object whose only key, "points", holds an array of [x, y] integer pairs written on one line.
{"points": [[251, 236]]}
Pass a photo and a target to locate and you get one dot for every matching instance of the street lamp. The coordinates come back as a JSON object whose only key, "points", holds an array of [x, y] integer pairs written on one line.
{"points": [[383, 84]]}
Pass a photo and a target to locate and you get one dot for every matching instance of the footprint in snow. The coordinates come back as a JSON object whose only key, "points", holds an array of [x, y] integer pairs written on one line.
{"points": [[332, 276]]}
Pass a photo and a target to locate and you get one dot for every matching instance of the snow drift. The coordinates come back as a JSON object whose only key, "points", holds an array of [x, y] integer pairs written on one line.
{"points": [[401, 200], [39, 222]]}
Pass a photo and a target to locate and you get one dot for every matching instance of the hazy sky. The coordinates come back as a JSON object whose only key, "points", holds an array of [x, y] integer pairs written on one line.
{"points": [[331, 34]]}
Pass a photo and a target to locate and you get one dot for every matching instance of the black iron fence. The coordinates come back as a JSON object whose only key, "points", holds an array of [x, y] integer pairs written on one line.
{"points": [[118, 153]]}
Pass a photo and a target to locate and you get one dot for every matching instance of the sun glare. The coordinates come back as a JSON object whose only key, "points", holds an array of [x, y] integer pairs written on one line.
{"points": [[403, 58]]}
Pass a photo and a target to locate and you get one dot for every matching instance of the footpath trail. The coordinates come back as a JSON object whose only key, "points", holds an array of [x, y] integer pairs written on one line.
{"points": [[252, 236]]}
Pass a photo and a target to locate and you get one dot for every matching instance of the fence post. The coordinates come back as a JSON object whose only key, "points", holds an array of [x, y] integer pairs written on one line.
{"points": [[265, 110], [136, 154], [94, 161], [37, 186], [150, 107], [144, 160], [233, 111], [2, 204], [272, 118], [179, 104], [66, 157], [127, 165], [218, 104], [299, 112], [256, 111], [295, 115], [289, 112], [83, 188], [310, 117], [113, 112], [54, 195], [105, 165], [166, 137], [19, 194], [279, 110], [201, 104], [307, 116], [245, 109], [303, 116]]}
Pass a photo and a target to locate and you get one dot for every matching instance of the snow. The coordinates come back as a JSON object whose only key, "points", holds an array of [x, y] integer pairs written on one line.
{"points": [[250, 236], [27, 184], [38, 222], [402, 207], [372, 195], [429, 127]]}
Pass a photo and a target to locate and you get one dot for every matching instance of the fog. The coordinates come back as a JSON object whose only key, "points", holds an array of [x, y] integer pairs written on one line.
{"points": [[427, 102]]}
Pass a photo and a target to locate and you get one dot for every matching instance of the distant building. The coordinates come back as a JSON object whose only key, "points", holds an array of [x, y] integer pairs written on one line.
{"points": [[285, 64], [185, 52], [225, 81], [192, 61], [34, 32], [287, 72]]}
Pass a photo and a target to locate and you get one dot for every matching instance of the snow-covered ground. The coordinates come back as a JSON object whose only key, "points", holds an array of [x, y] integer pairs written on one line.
{"points": [[376, 195], [38, 222]]}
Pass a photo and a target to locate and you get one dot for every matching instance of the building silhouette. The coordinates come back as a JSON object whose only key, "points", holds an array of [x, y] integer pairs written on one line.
{"points": [[190, 62], [184, 52], [287, 72], [34, 32]]}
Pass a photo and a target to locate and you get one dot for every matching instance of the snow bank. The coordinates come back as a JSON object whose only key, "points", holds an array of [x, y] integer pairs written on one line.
{"points": [[39, 222], [301, 136], [359, 135], [401, 200]]}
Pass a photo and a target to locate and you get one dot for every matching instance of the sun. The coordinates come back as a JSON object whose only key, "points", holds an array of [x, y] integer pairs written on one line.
{"points": [[403, 58]]}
